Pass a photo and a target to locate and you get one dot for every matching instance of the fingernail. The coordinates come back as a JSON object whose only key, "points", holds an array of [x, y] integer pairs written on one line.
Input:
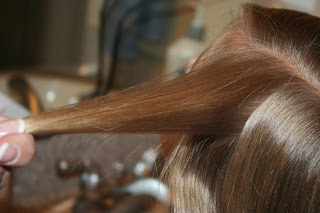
{"points": [[8, 154], [11, 126]]}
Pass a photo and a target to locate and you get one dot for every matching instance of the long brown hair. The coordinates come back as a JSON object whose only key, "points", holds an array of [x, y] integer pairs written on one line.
{"points": [[250, 110]]}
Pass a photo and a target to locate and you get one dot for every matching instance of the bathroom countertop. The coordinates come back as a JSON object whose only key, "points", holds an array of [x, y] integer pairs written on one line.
{"points": [[40, 177]]}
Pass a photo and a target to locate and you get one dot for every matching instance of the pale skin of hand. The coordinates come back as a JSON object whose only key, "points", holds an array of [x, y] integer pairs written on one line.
{"points": [[20, 148]]}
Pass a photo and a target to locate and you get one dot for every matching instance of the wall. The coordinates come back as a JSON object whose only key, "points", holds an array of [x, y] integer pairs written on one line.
{"points": [[62, 32], [219, 14]]}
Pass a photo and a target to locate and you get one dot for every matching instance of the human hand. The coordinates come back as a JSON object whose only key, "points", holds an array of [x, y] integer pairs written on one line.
{"points": [[16, 147]]}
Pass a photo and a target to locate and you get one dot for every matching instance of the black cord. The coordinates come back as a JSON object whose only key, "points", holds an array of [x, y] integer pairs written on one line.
{"points": [[108, 5], [116, 43]]}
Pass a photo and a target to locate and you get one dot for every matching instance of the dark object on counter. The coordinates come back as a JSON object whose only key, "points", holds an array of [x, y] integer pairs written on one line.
{"points": [[19, 85]]}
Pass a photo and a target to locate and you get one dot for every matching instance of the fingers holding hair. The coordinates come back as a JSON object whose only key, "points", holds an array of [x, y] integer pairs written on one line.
{"points": [[16, 147]]}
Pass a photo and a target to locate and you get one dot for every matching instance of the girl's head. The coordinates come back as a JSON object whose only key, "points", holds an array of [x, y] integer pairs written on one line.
{"points": [[249, 111], [264, 151]]}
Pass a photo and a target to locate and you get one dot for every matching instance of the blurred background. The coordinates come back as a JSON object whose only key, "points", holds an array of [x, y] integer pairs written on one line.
{"points": [[59, 52], [121, 42]]}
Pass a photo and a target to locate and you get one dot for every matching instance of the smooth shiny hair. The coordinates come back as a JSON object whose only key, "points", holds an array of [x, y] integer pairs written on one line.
{"points": [[249, 110]]}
